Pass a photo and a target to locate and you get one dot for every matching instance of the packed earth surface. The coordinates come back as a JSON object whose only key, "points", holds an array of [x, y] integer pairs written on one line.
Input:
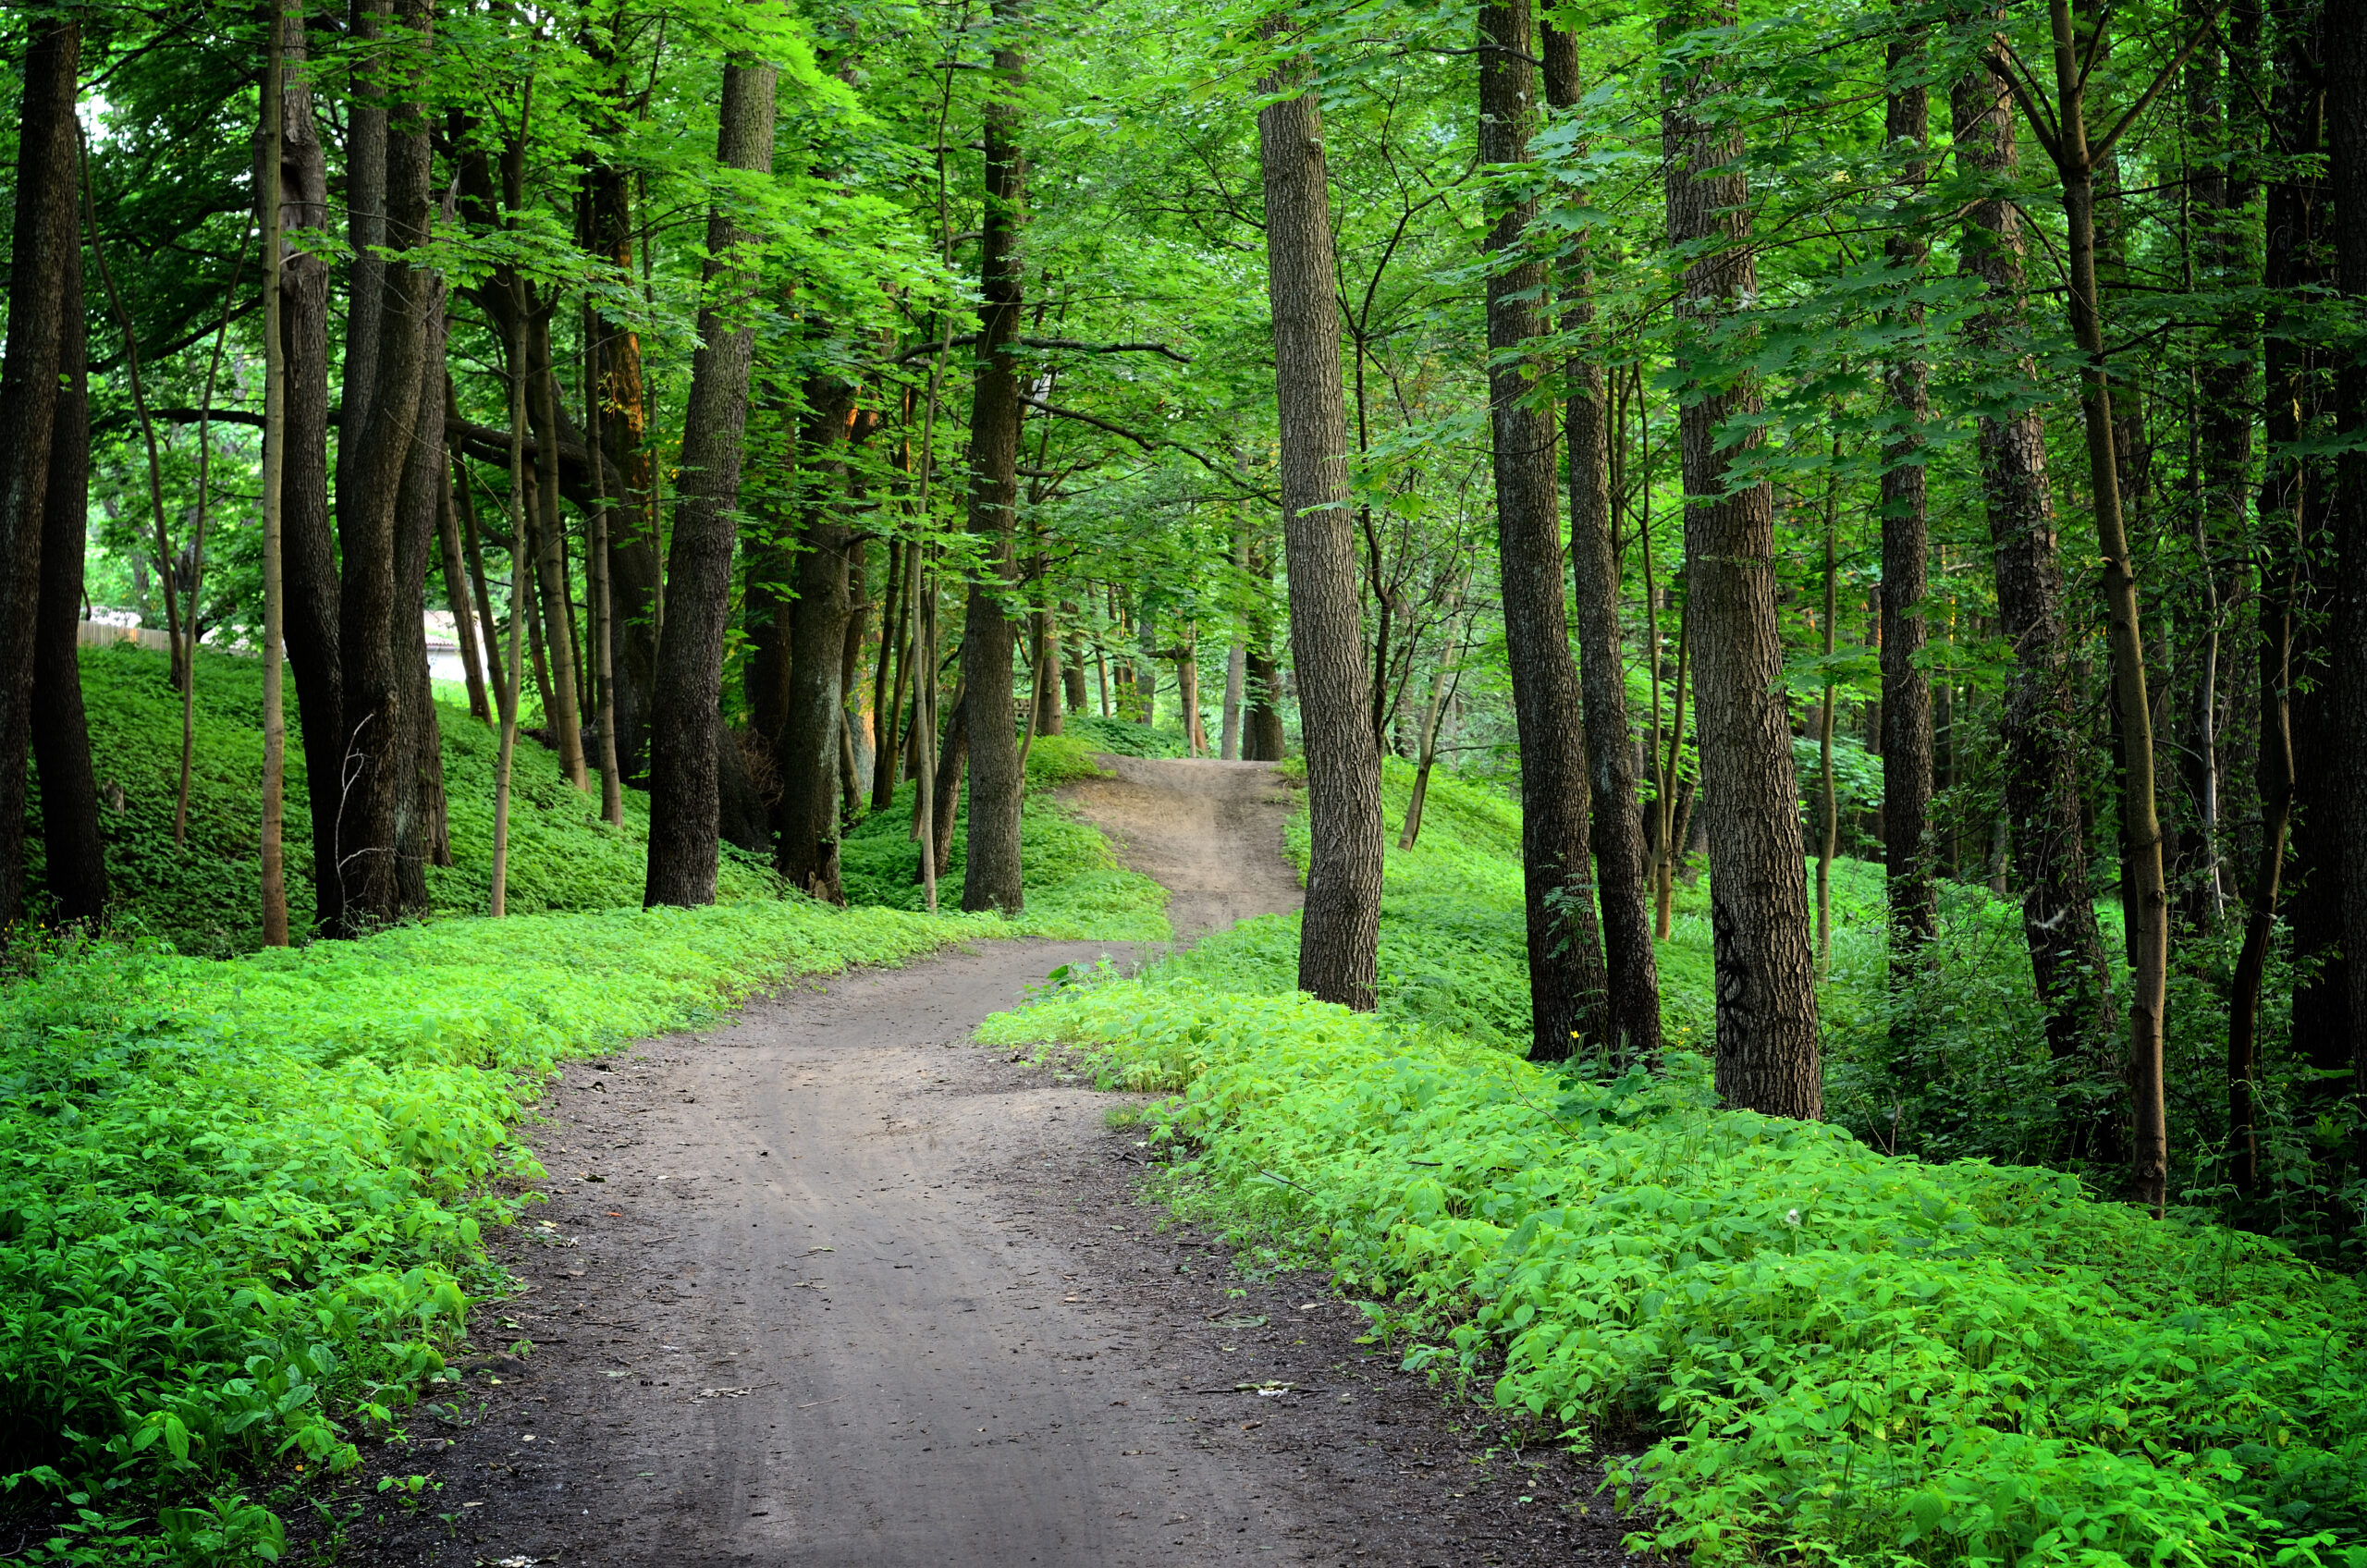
{"points": [[833, 1284]]}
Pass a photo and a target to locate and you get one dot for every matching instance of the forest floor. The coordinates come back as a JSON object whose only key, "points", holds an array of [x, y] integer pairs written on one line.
{"points": [[832, 1284]]}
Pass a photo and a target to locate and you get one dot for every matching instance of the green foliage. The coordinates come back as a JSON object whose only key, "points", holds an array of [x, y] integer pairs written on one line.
{"points": [[1835, 1354], [242, 1202], [204, 897], [1125, 736]]}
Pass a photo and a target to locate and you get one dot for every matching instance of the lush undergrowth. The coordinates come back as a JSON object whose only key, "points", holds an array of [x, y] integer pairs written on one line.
{"points": [[241, 1201], [242, 1198], [1827, 1354], [1073, 885], [1125, 736], [201, 896]]}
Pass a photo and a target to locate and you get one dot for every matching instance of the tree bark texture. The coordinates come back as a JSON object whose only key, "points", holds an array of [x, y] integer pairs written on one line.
{"points": [[376, 764], [1914, 899], [990, 877], [1631, 967], [687, 727], [2037, 719], [1758, 917], [42, 245], [311, 587], [805, 745], [1340, 928], [565, 714], [72, 846]]}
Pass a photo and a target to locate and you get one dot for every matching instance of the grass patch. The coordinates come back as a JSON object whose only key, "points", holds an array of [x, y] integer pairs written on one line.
{"points": [[1828, 1354], [204, 896]]}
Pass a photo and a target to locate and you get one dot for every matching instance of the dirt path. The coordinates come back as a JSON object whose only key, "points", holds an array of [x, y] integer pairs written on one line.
{"points": [[830, 1285]]}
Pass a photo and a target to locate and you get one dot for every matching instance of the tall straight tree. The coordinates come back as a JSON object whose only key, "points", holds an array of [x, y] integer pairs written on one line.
{"points": [[379, 875], [1622, 862], [687, 727], [2061, 127], [1569, 998], [2038, 719], [1341, 930], [991, 880], [1759, 916], [42, 247], [73, 850], [286, 24], [311, 589], [805, 745], [1906, 546]]}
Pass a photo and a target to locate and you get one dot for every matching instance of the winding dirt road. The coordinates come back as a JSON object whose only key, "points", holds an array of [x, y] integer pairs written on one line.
{"points": [[831, 1285]]}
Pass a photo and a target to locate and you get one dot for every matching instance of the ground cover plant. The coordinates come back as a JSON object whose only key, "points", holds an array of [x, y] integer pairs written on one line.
{"points": [[201, 895], [243, 1199], [1825, 1351]]}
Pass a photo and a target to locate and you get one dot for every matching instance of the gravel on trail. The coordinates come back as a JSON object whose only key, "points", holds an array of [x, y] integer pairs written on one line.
{"points": [[831, 1284]]}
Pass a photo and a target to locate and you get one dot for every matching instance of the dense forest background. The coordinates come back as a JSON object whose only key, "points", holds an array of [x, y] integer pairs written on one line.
{"points": [[1921, 436]]}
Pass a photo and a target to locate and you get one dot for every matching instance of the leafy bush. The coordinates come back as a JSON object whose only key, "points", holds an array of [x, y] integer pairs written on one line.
{"points": [[1834, 1354]]}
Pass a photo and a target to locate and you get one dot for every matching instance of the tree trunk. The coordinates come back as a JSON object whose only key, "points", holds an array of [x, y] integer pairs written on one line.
{"points": [[2347, 126], [805, 746], [622, 437], [1766, 973], [2144, 895], [564, 713], [287, 30], [45, 486], [857, 745], [1631, 967], [456, 598], [1905, 734], [596, 576], [991, 878], [687, 727], [1340, 929], [2038, 719], [945, 795]]}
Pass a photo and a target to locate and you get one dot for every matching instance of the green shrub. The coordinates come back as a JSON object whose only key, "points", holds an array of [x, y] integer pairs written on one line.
{"points": [[1834, 1354], [1125, 736]]}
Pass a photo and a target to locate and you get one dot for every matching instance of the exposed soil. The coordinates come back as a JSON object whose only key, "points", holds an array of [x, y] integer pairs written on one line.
{"points": [[832, 1285]]}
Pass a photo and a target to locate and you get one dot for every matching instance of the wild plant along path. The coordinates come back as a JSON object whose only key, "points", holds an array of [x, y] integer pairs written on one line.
{"points": [[832, 1285]]}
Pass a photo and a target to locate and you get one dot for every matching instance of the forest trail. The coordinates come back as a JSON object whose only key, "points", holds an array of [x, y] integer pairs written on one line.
{"points": [[830, 1284]]}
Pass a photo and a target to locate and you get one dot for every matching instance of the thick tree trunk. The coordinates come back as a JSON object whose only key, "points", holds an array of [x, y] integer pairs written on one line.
{"points": [[310, 588], [422, 836], [374, 763], [2037, 719], [684, 790], [1906, 549], [1631, 967], [1340, 929], [42, 245], [1568, 992], [805, 745], [991, 877], [76, 854], [1759, 918], [602, 620]]}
